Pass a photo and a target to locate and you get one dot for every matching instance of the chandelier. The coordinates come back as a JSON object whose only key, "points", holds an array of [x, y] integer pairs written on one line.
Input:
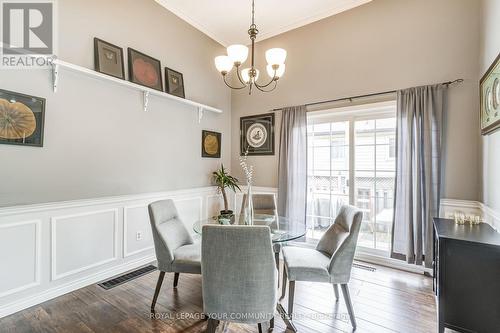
{"points": [[238, 54]]}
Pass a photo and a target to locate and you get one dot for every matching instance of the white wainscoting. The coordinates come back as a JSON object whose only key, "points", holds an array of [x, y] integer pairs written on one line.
{"points": [[450, 206], [47, 250], [19, 242], [82, 241]]}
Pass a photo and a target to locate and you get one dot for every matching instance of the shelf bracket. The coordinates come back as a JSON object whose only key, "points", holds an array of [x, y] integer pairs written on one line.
{"points": [[200, 114], [145, 100], [55, 76]]}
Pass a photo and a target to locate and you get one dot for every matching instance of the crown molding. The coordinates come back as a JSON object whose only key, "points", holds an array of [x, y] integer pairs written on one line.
{"points": [[337, 8]]}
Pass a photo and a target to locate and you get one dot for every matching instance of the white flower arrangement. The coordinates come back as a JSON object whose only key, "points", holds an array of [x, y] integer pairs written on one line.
{"points": [[248, 169]]}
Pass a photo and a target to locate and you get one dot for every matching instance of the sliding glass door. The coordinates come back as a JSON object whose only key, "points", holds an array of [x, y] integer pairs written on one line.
{"points": [[351, 160]]}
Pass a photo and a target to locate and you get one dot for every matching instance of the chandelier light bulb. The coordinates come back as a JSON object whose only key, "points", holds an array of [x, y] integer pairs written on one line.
{"points": [[245, 75], [237, 53], [223, 64], [275, 56], [279, 71]]}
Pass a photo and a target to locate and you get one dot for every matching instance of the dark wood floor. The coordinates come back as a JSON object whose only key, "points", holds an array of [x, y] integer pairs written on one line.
{"points": [[386, 300]]}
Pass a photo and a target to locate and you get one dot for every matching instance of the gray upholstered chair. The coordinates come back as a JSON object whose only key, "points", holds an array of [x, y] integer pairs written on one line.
{"points": [[239, 275], [264, 204], [175, 249], [330, 262]]}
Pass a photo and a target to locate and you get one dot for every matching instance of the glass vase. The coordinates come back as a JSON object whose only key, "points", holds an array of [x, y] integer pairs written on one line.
{"points": [[249, 206]]}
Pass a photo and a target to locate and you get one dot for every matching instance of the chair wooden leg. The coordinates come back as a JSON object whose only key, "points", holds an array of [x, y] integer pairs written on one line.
{"points": [[347, 298], [157, 290], [291, 294], [283, 285], [336, 291], [260, 327], [212, 325], [176, 279]]}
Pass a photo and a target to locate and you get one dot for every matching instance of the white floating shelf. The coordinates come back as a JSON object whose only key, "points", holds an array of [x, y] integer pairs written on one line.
{"points": [[146, 92]]}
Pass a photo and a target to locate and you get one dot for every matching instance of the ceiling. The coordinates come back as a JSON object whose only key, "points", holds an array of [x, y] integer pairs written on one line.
{"points": [[227, 21]]}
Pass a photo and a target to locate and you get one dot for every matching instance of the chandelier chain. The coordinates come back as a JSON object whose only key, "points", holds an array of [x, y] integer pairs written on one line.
{"points": [[253, 12]]}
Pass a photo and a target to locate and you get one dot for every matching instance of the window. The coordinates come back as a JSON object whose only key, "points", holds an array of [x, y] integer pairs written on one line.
{"points": [[351, 160], [392, 147]]}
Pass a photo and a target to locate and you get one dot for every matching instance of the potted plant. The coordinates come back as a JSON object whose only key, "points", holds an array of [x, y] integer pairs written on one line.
{"points": [[224, 180]]}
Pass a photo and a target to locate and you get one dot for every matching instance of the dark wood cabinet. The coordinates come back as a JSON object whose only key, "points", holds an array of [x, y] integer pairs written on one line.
{"points": [[467, 276]]}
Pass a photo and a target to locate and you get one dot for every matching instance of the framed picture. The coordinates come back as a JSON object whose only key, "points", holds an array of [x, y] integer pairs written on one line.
{"points": [[144, 70], [490, 98], [21, 119], [108, 59], [257, 134], [210, 144], [174, 82]]}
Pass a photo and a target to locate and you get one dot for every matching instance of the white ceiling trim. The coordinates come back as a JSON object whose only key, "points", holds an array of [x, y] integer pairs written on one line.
{"points": [[189, 19], [342, 7], [338, 7]]}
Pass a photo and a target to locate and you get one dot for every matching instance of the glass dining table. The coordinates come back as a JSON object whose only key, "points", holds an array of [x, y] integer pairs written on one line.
{"points": [[283, 229]]}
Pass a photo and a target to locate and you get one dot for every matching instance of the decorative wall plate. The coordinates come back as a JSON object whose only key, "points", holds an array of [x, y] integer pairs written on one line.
{"points": [[257, 134], [490, 98]]}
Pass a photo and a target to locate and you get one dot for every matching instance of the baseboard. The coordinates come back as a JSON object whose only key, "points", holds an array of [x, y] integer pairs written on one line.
{"points": [[391, 263], [73, 285]]}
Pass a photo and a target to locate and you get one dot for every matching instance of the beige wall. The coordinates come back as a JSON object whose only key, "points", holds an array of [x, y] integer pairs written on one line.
{"points": [[490, 48], [98, 141], [380, 46]]}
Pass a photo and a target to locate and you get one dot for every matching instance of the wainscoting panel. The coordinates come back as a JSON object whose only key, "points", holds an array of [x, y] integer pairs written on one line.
{"points": [[190, 210], [215, 203], [137, 236], [491, 216], [83, 241], [50, 249], [19, 256]]}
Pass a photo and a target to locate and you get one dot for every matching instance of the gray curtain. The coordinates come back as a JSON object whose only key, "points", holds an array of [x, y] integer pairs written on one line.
{"points": [[292, 174], [420, 112]]}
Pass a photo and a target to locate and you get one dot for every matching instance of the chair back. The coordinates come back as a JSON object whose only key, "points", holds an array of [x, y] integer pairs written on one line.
{"points": [[339, 242], [239, 273], [262, 204], [169, 233]]}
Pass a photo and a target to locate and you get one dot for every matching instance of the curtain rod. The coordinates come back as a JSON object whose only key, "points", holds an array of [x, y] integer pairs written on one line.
{"points": [[447, 83]]}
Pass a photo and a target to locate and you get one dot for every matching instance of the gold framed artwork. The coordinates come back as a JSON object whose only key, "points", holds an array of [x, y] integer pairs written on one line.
{"points": [[210, 144], [490, 98]]}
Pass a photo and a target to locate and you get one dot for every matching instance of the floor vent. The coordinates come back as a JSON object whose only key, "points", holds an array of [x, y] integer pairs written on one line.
{"points": [[366, 268], [126, 277]]}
